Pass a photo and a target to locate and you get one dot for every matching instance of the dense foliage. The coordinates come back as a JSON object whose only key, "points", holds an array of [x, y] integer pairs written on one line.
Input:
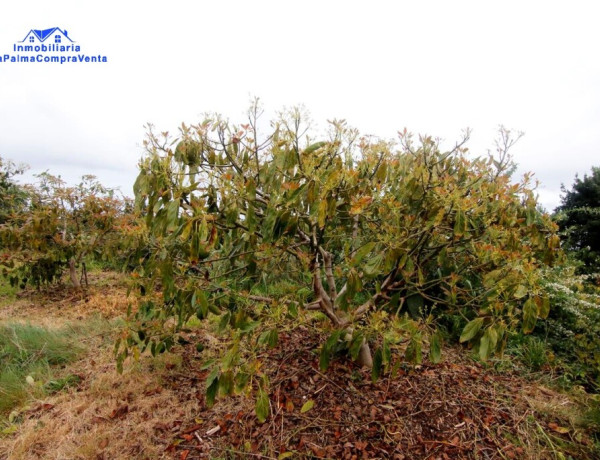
{"points": [[381, 238], [572, 330], [12, 195], [60, 227], [579, 220]]}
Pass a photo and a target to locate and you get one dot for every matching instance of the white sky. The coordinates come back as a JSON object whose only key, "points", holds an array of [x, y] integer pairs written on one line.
{"points": [[434, 67]]}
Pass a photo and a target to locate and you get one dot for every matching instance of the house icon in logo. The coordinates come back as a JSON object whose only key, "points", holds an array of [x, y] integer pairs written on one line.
{"points": [[53, 35]]}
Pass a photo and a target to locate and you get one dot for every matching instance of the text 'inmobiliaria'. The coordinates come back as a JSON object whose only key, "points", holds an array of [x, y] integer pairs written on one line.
{"points": [[49, 46]]}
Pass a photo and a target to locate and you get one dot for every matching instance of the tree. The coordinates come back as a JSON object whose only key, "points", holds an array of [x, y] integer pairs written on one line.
{"points": [[378, 237], [58, 228], [12, 195], [579, 220]]}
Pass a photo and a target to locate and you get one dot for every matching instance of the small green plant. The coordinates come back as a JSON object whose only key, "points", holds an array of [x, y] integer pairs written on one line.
{"points": [[533, 353], [54, 386]]}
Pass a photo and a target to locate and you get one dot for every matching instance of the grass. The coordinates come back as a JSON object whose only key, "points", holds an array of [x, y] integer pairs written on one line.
{"points": [[7, 292], [28, 356], [533, 353], [32, 358]]}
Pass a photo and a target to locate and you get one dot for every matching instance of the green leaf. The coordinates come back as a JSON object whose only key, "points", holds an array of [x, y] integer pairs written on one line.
{"points": [[308, 405], [212, 387], [241, 381], [484, 346], [293, 309], [225, 319], [353, 283], [415, 304], [226, 383], [413, 352], [262, 405], [314, 147], [212, 376], [460, 224], [377, 365], [361, 252], [373, 266], [172, 212], [269, 338], [328, 348], [491, 278], [435, 348], [471, 329], [529, 316], [231, 358], [200, 304], [386, 353], [355, 345]]}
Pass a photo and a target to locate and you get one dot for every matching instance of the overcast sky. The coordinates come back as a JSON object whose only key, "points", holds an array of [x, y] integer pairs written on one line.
{"points": [[435, 67]]}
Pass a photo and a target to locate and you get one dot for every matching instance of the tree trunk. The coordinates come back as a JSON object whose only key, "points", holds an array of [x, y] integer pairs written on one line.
{"points": [[364, 355], [73, 274]]}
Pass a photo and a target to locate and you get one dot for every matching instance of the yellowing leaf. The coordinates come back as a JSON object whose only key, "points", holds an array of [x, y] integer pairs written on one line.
{"points": [[435, 348], [322, 213], [262, 406], [471, 329], [359, 204], [520, 292], [308, 405], [529, 316], [544, 307], [557, 428]]}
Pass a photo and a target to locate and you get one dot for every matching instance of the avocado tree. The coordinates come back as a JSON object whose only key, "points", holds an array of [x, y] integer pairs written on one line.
{"points": [[369, 230], [57, 228], [13, 196]]}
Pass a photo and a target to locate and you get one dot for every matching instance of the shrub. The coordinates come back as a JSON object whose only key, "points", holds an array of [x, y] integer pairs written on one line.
{"points": [[374, 230]]}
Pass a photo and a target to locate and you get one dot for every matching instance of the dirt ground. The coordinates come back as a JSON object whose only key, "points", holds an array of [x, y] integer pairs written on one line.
{"points": [[157, 409]]}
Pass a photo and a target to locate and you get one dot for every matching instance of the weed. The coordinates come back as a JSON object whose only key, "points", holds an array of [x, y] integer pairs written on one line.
{"points": [[533, 353], [54, 386]]}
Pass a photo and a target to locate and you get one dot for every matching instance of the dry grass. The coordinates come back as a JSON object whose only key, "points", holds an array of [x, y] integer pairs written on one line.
{"points": [[106, 296], [109, 416]]}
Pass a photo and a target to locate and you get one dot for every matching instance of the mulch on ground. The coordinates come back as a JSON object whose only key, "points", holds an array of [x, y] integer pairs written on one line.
{"points": [[451, 410]]}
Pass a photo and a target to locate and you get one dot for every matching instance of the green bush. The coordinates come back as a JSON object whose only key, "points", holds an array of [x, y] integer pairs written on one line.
{"points": [[572, 330]]}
